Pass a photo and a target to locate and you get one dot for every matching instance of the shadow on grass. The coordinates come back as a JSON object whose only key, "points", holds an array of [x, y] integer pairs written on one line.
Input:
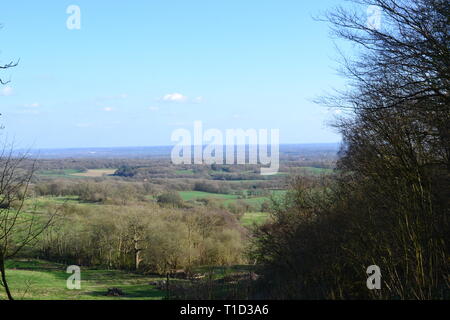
{"points": [[131, 292]]}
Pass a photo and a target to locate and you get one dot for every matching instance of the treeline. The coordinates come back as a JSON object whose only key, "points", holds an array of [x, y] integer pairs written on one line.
{"points": [[103, 191], [141, 169], [211, 172], [94, 163], [389, 205], [146, 238], [108, 190], [117, 192]]}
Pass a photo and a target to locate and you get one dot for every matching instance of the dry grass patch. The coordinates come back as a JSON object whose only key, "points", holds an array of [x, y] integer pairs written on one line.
{"points": [[95, 173]]}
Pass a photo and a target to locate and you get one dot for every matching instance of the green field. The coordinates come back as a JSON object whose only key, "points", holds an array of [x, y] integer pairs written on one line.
{"points": [[185, 171], [44, 202], [259, 200], [316, 171], [192, 195], [31, 279], [41, 280], [63, 173], [251, 218]]}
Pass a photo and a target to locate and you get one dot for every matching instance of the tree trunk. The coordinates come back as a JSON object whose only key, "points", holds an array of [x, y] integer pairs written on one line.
{"points": [[5, 283], [137, 250], [137, 258]]}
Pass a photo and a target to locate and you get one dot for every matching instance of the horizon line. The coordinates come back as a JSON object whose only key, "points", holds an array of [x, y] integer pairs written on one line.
{"points": [[165, 145]]}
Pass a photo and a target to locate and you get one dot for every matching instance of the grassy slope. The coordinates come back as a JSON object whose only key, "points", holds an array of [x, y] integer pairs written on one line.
{"points": [[251, 218], [41, 280]]}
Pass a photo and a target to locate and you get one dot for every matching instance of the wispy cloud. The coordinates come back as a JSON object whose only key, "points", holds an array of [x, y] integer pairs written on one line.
{"points": [[107, 109], [6, 91], [175, 97], [180, 98]]}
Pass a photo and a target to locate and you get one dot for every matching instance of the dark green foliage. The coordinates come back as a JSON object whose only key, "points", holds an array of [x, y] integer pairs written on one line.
{"points": [[171, 198], [126, 171]]}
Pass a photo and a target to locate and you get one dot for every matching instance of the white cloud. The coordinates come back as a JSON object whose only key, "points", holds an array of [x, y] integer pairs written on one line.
{"points": [[174, 97], [6, 91], [107, 109]]}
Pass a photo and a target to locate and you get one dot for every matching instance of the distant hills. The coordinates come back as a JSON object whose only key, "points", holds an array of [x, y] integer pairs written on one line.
{"points": [[162, 151]]}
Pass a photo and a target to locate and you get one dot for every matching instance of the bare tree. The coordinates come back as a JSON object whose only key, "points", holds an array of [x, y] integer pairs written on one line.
{"points": [[389, 204], [18, 227], [397, 142], [7, 66]]}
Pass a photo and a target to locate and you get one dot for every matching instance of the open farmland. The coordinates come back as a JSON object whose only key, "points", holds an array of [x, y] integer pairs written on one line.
{"points": [[75, 173], [180, 210], [92, 173]]}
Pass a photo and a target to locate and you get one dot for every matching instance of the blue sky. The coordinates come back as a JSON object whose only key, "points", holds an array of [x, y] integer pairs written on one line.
{"points": [[138, 70]]}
